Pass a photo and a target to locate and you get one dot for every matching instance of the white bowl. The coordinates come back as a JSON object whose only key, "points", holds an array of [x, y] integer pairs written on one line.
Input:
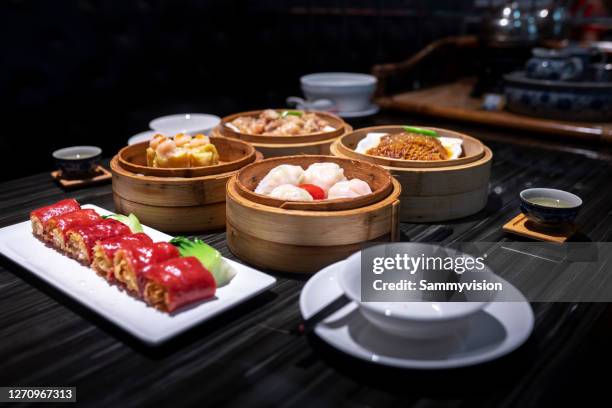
{"points": [[190, 123], [350, 92], [142, 136], [416, 320]]}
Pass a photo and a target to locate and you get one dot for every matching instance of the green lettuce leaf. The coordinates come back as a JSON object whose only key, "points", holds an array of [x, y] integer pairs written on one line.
{"points": [[129, 220], [208, 256]]}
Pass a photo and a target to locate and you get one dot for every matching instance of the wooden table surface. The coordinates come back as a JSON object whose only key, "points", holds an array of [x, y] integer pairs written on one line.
{"points": [[252, 356]]}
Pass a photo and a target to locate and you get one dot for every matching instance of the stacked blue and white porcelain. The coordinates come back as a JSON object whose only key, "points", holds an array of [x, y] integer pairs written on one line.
{"points": [[572, 83]]}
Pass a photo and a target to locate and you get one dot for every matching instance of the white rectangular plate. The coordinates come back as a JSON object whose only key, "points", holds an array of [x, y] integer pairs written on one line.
{"points": [[82, 284]]}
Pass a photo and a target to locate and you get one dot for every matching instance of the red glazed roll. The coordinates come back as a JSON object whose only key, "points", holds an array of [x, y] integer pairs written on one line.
{"points": [[105, 250], [58, 226], [132, 261], [41, 216], [81, 239], [177, 282]]}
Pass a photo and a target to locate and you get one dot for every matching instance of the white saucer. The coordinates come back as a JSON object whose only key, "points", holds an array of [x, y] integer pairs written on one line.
{"points": [[190, 123], [142, 136], [372, 110], [497, 330]]}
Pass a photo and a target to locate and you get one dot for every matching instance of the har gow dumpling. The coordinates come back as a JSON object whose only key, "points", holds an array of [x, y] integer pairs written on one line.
{"points": [[324, 175], [290, 193], [349, 189], [280, 175]]}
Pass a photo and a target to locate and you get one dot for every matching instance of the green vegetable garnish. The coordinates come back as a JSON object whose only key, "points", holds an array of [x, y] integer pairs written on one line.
{"points": [[210, 258], [420, 131], [292, 113], [129, 220]]}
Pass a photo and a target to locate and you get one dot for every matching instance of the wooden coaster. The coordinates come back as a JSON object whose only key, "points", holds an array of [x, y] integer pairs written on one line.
{"points": [[99, 175], [520, 225]]}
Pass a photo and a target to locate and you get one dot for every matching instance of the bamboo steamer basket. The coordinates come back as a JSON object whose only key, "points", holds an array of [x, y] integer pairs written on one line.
{"points": [[234, 157], [432, 190], [177, 204], [311, 235], [278, 146]]}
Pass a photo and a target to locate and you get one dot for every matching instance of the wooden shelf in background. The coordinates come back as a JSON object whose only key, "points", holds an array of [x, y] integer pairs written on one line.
{"points": [[453, 101]]}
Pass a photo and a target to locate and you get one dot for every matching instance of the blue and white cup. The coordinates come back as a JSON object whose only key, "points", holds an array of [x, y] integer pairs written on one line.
{"points": [[77, 162]]}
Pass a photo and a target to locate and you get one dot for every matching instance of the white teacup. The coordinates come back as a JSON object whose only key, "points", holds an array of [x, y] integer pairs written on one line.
{"points": [[416, 320], [350, 92]]}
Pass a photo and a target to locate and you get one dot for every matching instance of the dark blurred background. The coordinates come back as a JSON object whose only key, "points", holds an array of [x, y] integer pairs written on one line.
{"points": [[96, 72]]}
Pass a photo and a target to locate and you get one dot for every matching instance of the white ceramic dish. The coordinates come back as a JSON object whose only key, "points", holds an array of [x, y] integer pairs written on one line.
{"points": [[83, 285], [419, 320], [350, 92], [191, 123], [493, 332], [369, 111], [142, 136]]}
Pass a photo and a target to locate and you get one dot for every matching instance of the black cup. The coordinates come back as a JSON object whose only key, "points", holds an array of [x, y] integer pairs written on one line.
{"points": [[77, 162]]}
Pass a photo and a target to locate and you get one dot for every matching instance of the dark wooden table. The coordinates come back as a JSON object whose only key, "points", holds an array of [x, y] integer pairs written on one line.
{"points": [[252, 356]]}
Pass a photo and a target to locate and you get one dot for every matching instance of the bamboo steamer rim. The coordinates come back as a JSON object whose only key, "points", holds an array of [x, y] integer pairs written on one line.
{"points": [[487, 157], [318, 205], [232, 192], [398, 163], [189, 172], [116, 168], [336, 121], [347, 129]]}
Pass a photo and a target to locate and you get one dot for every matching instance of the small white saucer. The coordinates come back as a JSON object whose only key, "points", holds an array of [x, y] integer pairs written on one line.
{"points": [[372, 110], [495, 331], [190, 123], [142, 136]]}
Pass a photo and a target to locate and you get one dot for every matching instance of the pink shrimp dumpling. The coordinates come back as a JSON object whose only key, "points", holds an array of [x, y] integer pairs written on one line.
{"points": [[290, 193], [324, 175], [279, 175], [349, 189]]}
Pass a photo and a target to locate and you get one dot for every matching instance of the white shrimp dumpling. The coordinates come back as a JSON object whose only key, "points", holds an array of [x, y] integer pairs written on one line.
{"points": [[290, 192], [283, 174], [324, 175], [349, 189]]}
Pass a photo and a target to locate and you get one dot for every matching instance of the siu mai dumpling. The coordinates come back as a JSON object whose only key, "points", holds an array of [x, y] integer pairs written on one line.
{"points": [[283, 174], [168, 154], [349, 189], [181, 151], [290, 193], [153, 143], [324, 175], [182, 139], [203, 155]]}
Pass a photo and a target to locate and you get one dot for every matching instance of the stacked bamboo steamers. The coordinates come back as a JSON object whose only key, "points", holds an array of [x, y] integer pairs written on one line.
{"points": [[299, 236]]}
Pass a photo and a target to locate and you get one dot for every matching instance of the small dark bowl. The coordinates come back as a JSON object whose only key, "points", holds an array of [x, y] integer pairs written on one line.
{"points": [[77, 161], [547, 215]]}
